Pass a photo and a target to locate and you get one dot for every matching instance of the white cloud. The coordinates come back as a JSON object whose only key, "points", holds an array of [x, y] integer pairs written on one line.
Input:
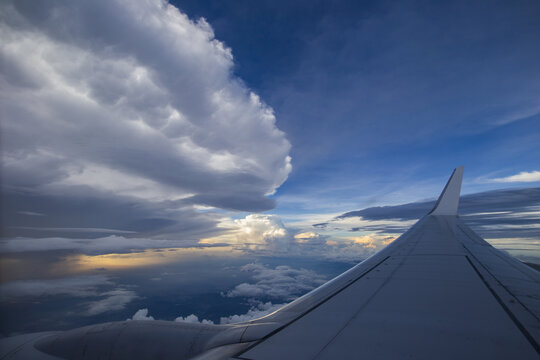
{"points": [[132, 100], [266, 234], [282, 282], [257, 311], [260, 229], [524, 176], [113, 300], [193, 319], [141, 314], [255, 232]]}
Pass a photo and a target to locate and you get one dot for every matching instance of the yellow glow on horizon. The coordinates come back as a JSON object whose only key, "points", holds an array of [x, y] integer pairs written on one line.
{"points": [[81, 263], [221, 239]]}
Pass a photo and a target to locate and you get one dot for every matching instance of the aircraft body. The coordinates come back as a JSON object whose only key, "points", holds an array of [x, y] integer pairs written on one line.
{"points": [[438, 291]]}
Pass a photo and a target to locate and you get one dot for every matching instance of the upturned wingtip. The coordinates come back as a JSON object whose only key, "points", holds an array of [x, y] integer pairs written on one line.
{"points": [[448, 201]]}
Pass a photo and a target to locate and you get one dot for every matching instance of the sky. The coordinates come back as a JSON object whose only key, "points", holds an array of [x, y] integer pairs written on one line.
{"points": [[240, 144]]}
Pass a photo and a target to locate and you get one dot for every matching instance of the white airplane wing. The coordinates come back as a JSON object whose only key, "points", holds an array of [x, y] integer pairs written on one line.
{"points": [[437, 292]]}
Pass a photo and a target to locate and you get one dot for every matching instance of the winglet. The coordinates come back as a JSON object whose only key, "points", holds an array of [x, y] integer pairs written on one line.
{"points": [[449, 200]]}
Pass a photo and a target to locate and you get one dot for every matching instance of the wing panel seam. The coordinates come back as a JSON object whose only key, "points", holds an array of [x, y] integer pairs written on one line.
{"points": [[519, 325], [496, 279]]}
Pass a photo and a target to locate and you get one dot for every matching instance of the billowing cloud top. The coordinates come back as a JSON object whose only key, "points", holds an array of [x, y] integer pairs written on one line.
{"points": [[131, 98]]}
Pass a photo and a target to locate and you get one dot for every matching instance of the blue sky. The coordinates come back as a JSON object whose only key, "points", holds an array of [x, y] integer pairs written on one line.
{"points": [[206, 137], [377, 96]]}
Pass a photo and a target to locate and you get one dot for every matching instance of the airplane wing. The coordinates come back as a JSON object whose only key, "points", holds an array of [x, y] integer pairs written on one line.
{"points": [[438, 291]]}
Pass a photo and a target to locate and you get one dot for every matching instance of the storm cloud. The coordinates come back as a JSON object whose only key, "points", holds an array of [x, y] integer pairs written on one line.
{"points": [[118, 113]]}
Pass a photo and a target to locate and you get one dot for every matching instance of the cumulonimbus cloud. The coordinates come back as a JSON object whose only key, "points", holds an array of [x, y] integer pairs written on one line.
{"points": [[131, 99]]}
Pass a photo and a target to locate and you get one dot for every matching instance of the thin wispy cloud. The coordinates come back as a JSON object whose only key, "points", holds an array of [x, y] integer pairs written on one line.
{"points": [[522, 177], [113, 300], [78, 286], [511, 213], [103, 245]]}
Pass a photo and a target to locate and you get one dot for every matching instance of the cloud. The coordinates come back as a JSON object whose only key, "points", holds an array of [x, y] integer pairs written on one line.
{"points": [[134, 105], [141, 314], [259, 310], [255, 232], [267, 235], [524, 176], [510, 213], [30, 213], [91, 286], [366, 241], [112, 301], [102, 245], [92, 213], [78, 286], [309, 238], [282, 282], [260, 229], [193, 319], [77, 230]]}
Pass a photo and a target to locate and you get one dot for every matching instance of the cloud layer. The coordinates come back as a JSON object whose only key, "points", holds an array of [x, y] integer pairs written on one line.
{"points": [[282, 282], [104, 245], [511, 213], [130, 104], [524, 176], [90, 286], [257, 310]]}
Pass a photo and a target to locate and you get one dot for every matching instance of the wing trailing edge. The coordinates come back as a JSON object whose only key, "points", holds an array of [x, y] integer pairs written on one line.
{"points": [[448, 201]]}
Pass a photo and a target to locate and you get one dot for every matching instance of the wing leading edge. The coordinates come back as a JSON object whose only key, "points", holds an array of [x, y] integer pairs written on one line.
{"points": [[438, 291]]}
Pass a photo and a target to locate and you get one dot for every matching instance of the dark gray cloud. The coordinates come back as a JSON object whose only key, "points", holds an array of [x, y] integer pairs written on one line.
{"points": [[102, 245], [69, 211], [494, 214], [89, 286]]}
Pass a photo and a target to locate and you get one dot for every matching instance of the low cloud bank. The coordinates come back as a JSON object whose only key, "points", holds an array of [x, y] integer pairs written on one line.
{"points": [[104, 245], [524, 176], [257, 310], [281, 282], [91, 286]]}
